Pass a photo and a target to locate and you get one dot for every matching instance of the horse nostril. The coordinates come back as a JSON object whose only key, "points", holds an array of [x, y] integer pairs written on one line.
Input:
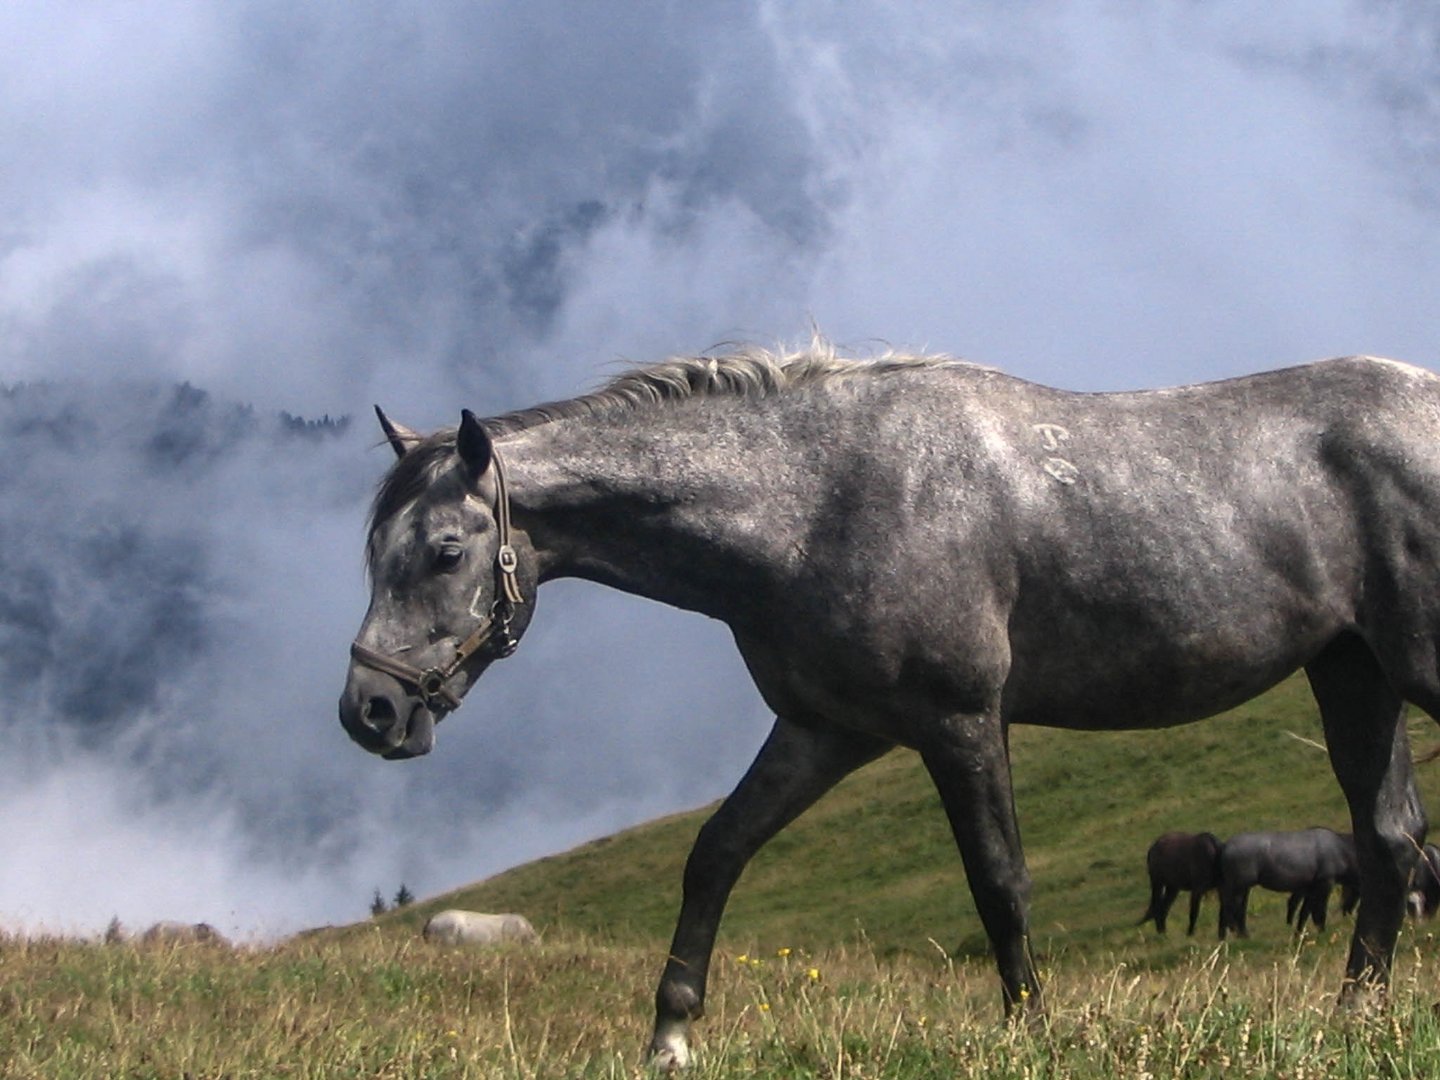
{"points": [[380, 713]]}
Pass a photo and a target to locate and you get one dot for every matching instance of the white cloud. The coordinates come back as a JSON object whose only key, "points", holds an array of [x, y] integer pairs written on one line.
{"points": [[316, 208]]}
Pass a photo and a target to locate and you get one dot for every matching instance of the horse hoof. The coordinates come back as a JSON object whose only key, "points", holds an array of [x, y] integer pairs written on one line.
{"points": [[1361, 998], [669, 1053]]}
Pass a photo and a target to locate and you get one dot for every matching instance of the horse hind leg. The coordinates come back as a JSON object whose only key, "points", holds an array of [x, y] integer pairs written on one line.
{"points": [[969, 762], [1161, 897], [1167, 901], [1363, 714], [1234, 909]]}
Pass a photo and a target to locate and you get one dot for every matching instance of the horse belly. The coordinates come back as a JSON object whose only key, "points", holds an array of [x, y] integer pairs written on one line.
{"points": [[1287, 878], [1118, 681]]}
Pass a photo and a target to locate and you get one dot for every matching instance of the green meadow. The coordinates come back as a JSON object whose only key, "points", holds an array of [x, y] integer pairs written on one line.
{"points": [[874, 860], [850, 948]]}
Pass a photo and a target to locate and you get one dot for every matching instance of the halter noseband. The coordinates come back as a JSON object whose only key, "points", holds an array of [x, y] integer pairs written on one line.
{"points": [[494, 625]]}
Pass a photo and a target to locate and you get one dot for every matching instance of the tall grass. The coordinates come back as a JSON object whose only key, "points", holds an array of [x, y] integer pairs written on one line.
{"points": [[385, 1004]]}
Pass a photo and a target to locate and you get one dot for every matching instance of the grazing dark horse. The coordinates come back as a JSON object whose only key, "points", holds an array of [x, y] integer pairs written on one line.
{"points": [[1424, 897], [1307, 864], [923, 552], [1300, 902], [1180, 861]]}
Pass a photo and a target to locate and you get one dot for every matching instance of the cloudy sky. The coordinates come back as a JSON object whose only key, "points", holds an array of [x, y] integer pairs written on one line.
{"points": [[223, 220]]}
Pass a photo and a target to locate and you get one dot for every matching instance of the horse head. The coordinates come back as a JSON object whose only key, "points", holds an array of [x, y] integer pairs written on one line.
{"points": [[450, 579]]}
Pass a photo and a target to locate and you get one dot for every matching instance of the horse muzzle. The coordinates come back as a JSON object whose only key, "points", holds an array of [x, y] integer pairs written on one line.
{"points": [[384, 718]]}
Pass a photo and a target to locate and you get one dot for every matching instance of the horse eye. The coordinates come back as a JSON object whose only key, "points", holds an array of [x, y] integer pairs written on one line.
{"points": [[449, 557]]}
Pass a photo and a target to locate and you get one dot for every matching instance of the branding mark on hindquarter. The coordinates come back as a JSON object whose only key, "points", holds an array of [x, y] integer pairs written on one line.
{"points": [[1051, 436]]}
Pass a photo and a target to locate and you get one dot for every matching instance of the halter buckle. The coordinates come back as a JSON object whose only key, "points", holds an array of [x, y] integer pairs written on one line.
{"points": [[506, 559]]}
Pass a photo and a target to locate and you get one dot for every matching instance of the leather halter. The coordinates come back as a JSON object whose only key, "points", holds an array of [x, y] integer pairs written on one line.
{"points": [[493, 626]]}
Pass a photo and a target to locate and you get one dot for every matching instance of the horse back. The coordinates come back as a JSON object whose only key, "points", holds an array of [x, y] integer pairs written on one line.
{"points": [[1217, 537], [953, 538]]}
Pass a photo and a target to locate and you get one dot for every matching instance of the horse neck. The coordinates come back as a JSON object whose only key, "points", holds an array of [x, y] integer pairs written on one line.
{"points": [[679, 509]]}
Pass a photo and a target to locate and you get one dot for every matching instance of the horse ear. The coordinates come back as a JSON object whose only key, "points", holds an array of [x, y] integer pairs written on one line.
{"points": [[474, 445], [400, 437]]}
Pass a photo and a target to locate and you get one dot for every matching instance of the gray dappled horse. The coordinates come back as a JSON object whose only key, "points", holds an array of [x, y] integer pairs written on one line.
{"points": [[1307, 864], [922, 552], [1179, 862]]}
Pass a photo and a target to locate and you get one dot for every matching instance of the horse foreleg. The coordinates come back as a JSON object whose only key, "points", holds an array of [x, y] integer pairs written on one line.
{"points": [[1295, 902], [1370, 753], [1305, 914], [797, 764], [1312, 902], [1349, 897], [1317, 904], [969, 762]]}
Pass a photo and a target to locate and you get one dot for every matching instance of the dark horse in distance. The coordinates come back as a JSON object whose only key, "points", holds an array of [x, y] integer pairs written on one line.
{"points": [[1181, 862], [921, 552], [1307, 864]]}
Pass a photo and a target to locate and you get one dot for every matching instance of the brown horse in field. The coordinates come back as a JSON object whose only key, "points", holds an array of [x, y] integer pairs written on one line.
{"points": [[1181, 861]]}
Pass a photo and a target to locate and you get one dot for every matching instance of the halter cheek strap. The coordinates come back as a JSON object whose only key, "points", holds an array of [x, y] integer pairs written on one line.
{"points": [[494, 625], [506, 562]]}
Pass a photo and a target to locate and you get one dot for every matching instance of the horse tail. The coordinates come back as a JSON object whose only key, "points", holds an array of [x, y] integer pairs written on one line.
{"points": [[1152, 913], [1157, 891]]}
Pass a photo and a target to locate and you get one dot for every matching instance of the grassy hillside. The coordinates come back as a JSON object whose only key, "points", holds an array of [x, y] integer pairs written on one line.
{"points": [[826, 969], [874, 860]]}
